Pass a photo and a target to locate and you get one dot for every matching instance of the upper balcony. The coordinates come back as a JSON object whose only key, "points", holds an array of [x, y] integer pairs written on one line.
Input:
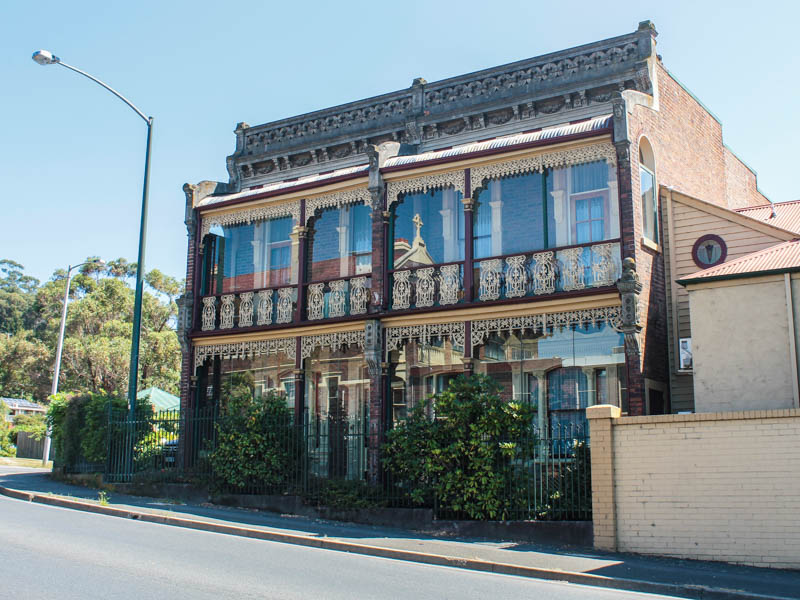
{"points": [[519, 234]]}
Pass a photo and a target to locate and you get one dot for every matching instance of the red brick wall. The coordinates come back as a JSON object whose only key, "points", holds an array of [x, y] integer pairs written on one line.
{"points": [[689, 156], [741, 183]]}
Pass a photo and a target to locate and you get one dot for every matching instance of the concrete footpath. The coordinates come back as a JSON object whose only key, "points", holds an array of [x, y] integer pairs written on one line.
{"points": [[672, 577]]}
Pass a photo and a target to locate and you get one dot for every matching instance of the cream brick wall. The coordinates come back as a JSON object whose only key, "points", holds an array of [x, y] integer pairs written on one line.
{"points": [[713, 486]]}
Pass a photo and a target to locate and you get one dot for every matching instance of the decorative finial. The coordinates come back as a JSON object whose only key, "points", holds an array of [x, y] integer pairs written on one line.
{"points": [[417, 220]]}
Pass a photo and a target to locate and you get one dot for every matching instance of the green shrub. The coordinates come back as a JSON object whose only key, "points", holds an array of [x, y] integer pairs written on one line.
{"points": [[466, 455], [7, 449], [80, 425], [257, 442], [35, 425]]}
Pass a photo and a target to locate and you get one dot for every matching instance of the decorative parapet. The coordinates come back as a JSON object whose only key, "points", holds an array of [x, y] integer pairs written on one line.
{"points": [[561, 158], [250, 215], [500, 98], [455, 332], [334, 341], [286, 346], [394, 189], [481, 329]]}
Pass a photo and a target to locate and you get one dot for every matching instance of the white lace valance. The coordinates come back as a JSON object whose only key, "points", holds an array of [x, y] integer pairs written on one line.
{"points": [[354, 196], [244, 349], [454, 179], [249, 215], [560, 158]]}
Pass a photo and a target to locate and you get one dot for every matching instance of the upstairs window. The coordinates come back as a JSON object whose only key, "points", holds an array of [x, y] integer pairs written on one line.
{"points": [[647, 188], [428, 229], [565, 206], [249, 256], [340, 244]]}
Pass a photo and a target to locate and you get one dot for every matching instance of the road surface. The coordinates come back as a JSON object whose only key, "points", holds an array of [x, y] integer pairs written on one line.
{"points": [[50, 552]]}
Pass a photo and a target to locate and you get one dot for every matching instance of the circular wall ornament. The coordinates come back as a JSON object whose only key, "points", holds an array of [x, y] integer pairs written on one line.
{"points": [[709, 251]]}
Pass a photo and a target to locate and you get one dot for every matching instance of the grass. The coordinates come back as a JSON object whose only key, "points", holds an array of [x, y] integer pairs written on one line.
{"points": [[25, 462]]}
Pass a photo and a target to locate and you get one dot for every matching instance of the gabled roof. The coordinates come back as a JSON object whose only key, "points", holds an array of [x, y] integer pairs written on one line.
{"points": [[785, 215], [734, 216], [782, 258]]}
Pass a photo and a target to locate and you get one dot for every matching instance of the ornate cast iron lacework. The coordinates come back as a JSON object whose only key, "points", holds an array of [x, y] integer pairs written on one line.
{"points": [[337, 304], [426, 287], [264, 307], [603, 264], [572, 271], [209, 316], [394, 189], [491, 276], [449, 284], [562, 158], [258, 213], [354, 196], [401, 290], [539, 323], [544, 273], [358, 295], [226, 311], [246, 309], [334, 341], [284, 305], [243, 349], [316, 301], [424, 334], [516, 277]]}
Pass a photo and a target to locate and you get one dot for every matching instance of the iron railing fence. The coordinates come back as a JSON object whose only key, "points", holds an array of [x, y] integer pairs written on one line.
{"points": [[542, 475]]}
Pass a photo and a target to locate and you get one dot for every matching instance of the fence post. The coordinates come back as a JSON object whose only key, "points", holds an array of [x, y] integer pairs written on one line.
{"points": [[604, 512]]}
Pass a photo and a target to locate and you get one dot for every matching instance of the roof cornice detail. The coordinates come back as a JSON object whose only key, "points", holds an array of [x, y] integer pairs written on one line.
{"points": [[505, 98]]}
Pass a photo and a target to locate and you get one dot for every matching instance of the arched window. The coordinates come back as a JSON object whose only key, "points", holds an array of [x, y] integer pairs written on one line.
{"points": [[647, 188], [340, 243], [427, 229], [248, 256]]}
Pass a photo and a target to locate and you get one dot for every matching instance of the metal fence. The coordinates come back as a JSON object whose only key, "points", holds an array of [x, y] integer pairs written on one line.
{"points": [[324, 462]]}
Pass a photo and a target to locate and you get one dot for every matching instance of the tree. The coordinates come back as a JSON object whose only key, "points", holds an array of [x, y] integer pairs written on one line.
{"points": [[97, 338]]}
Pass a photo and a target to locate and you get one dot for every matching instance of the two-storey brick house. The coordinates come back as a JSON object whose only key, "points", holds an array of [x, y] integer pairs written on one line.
{"points": [[363, 255]]}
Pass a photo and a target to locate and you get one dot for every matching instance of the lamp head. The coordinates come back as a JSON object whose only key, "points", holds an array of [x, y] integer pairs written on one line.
{"points": [[43, 57]]}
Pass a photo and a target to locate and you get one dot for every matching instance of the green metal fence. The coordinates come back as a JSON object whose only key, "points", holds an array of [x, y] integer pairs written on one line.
{"points": [[324, 462]]}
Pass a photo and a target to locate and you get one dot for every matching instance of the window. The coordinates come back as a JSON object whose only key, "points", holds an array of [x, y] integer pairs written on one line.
{"points": [[647, 188], [249, 256], [428, 228], [340, 244], [560, 207]]}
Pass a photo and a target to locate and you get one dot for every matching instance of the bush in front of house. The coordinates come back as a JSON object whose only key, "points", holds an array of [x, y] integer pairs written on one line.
{"points": [[257, 443], [80, 425], [466, 455]]}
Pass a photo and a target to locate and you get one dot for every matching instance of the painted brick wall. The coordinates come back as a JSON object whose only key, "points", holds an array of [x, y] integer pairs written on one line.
{"points": [[714, 486]]}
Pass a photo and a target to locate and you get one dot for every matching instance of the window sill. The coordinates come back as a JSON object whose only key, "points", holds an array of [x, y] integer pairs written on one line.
{"points": [[651, 245]]}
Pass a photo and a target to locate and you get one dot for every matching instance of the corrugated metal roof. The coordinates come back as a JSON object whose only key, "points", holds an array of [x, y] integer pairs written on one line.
{"points": [[782, 257], [596, 124], [787, 214], [271, 187], [19, 403]]}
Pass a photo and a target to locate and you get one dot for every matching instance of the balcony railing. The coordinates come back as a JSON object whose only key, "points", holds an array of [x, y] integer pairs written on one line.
{"points": [[337, 298], [424, 287], [547, 272], [249, 309]]}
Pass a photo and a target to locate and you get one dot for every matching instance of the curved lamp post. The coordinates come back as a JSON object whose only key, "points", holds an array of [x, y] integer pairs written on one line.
{"points": [[43, 57], [60, 345]]}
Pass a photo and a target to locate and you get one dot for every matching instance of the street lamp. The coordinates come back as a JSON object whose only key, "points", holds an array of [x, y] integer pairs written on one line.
{"points": [[57, 368], [43, 57]]}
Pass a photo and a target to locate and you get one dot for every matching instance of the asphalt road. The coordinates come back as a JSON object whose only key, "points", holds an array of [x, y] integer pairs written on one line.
{"points": [[50, 552]]}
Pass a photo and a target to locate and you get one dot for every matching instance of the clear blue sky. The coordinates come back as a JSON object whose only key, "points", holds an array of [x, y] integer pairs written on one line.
{"points": [[71, 155]]}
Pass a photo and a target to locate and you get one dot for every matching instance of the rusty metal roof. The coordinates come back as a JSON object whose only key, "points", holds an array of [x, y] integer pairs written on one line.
{"points": [[787, 214], [781, 258]]}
